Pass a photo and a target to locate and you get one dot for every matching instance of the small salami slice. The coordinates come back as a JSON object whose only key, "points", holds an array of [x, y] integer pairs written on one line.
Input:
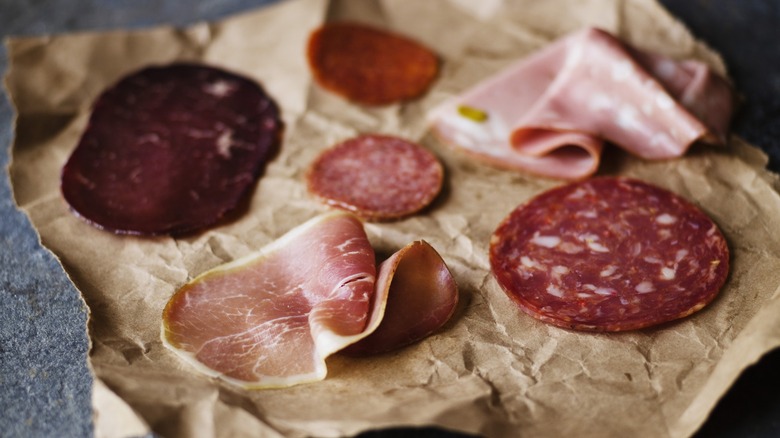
{"points": [[171, 150], [370, 66], [609, 254], [377, 177]]}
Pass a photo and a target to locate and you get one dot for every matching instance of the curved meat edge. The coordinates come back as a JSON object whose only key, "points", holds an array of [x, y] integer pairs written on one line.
{"points": [[418, 295], [549, 113]]}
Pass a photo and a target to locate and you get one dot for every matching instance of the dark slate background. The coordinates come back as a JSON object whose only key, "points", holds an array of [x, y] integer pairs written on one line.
{"points": [[44, 380]]}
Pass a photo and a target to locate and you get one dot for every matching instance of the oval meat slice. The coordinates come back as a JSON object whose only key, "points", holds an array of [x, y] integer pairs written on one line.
{"points": [[171, 149], [368, 65], [272, 318], [377, 177], [421, 297], [609, 254]]}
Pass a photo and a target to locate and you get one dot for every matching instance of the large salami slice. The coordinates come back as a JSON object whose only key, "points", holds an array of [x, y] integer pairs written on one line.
{"points": [[368, 65], [609, 254], [377, 177], [171, 149]]}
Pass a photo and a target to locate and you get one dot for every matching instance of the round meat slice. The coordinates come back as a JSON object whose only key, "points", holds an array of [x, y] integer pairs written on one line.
{"points": [[609, 254], [368, 65], [377, 177], [171, 149]]}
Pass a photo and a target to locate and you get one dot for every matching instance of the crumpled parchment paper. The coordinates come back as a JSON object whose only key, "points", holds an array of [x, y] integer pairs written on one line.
{"points": [[492, 370]]}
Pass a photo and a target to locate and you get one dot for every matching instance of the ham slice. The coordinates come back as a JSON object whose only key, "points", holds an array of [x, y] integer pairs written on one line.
{"points": [[272, 318], [550, 113]]}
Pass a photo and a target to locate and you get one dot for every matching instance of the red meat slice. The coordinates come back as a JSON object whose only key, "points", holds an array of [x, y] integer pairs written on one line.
{"points": [[609, 254], [421, 297], [271, 319], [171, 149], [549, 113], [368, 65], [376, 177]]}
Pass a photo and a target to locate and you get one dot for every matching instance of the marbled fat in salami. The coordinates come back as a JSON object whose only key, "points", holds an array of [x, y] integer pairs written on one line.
{"points": [[609, 254], [370, 66], [377, 177], [171, 149]]}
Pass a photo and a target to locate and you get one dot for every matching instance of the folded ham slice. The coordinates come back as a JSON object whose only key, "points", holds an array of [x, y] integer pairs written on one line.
{"points": [[270, 319], [550, 112]]}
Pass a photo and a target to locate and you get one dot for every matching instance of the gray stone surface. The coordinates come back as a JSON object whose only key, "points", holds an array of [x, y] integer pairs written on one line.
{"points": [[44, 380]]}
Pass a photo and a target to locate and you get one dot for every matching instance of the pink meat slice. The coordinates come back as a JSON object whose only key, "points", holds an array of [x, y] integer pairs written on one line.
{"points": [[272, 318], [550, 113], [171, 149]]}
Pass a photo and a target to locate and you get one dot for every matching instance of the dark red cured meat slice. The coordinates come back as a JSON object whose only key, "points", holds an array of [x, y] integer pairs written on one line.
{"points": [[421, 298], [370, 66], [609, 254], [171, 149], [377, 177]]}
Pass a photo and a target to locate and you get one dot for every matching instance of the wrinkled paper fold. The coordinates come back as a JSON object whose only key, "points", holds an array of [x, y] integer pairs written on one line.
{"points": [[492, 370]]}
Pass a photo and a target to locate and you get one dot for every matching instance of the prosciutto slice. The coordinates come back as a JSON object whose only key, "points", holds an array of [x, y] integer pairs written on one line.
{"points": [[550, 113], [272, 318]]}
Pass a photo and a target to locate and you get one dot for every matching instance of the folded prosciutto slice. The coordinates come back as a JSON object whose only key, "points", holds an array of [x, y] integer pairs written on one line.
{"points": [[270, 319], [550, 113]]}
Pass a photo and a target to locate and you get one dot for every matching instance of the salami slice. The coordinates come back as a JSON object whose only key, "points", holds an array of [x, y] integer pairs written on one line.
{"points": [[370, 66], [609, 254], [171, 149], [377, 177]]}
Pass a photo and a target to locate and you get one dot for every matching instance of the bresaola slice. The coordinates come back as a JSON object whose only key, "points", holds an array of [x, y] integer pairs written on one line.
{"points": [[377, 177], [171, 149], [609, 254], [370, 66], [549, 113], [271, 318]]}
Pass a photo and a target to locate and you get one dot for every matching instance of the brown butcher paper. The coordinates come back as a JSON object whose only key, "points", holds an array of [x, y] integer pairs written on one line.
{"points": [[492, 370]]}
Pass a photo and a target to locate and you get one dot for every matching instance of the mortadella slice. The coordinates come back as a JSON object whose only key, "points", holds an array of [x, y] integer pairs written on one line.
{"points": [[550, 113], [272, 318]]}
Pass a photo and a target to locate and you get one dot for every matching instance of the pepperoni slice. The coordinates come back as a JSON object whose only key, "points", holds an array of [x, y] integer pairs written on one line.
{"points": [[377, 177], [609, 254], [171, 149], [370, 66]]}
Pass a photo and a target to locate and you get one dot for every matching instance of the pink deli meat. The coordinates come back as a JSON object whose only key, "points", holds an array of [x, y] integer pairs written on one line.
{"points": [[171, 149], [550, 113], [609, 254], [272, 318]]}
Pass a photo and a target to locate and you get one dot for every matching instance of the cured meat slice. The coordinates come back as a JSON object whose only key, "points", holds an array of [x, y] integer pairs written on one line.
{"points": [[421, 297], [272, 318], [377, 177], [171, 149], [609, 254], [549, 113], [370, 66]]}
